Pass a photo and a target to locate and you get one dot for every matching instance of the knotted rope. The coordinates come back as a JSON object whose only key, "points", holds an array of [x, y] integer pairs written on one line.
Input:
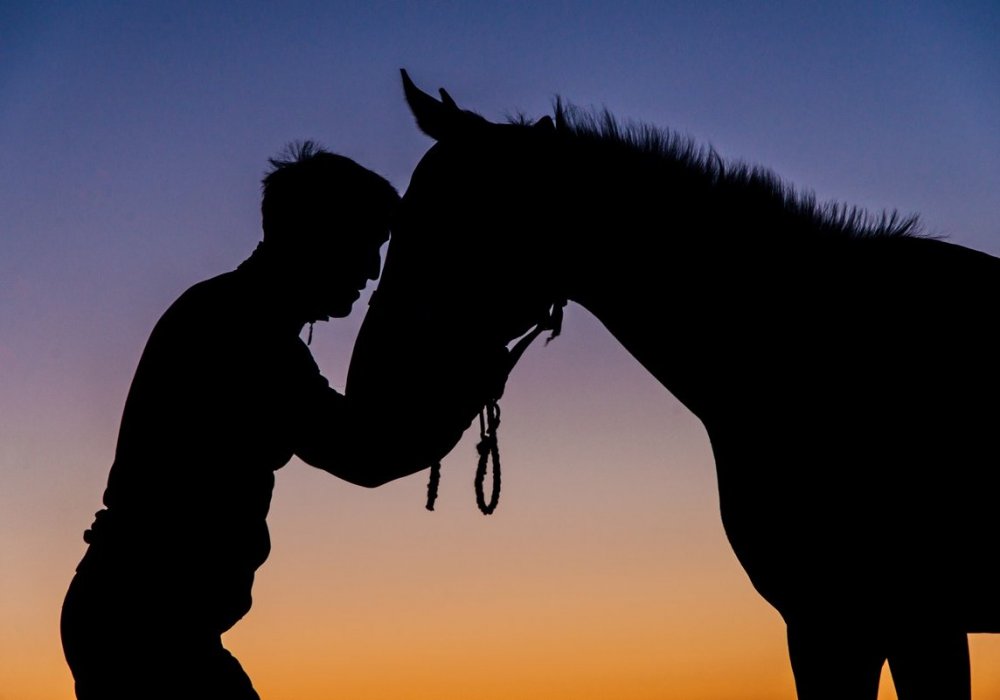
{"points": [[489, 420], [432, 485]]}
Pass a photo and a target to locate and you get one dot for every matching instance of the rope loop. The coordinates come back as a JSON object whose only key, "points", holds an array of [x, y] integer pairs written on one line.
{"points": [[489, 421]]}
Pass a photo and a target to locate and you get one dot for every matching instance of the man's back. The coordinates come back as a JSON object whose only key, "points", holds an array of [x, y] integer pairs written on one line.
{"points": [[214, 409]]}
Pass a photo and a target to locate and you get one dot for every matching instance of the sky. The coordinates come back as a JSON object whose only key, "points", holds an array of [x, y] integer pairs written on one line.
{"points": [[133, 139]]}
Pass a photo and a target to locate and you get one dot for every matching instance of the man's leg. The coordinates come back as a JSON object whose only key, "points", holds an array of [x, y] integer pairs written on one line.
{"points": [[119, 646]]}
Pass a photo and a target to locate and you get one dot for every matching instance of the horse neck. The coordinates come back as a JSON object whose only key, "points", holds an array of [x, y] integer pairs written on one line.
{"points": [[683, 275]]}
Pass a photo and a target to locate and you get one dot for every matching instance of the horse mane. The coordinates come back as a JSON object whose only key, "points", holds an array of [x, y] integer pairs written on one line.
{"points": [[666, 149]]}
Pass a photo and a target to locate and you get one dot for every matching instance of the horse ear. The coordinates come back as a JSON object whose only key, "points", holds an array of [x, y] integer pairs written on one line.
{"points": [[432, 116], [446, 99], [545, 124], [436, 118]]}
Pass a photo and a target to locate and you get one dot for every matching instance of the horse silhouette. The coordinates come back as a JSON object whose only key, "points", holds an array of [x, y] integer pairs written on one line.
{"points": [[844, 365]]}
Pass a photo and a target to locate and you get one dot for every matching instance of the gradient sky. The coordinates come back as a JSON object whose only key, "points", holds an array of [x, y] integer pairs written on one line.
{"points": [[133, 140]]}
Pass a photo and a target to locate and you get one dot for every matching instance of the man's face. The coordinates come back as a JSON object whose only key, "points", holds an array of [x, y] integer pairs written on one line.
{"points": [[346, 266]]}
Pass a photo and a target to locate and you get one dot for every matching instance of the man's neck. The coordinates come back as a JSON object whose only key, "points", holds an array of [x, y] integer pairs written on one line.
{"points": [[277, 285]]}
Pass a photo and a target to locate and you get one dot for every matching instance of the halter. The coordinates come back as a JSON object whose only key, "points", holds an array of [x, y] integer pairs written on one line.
{"points": [[489, 421]]}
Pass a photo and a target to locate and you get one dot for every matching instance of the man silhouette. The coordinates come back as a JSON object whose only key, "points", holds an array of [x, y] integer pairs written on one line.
{"points": [[226, 393]]}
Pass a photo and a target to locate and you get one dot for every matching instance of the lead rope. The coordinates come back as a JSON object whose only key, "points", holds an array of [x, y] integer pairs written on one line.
{"points": [[432, 485], [489, 421]]}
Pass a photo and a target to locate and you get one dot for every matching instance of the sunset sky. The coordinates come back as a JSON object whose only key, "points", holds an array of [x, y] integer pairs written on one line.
{"points": [[132, 142]]}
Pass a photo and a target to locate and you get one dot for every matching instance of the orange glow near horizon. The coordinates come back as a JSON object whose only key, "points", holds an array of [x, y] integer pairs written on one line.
{"points": [[605, 571]]}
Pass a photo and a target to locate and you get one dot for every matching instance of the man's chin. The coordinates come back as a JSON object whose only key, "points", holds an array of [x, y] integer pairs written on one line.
{"points": [[338, 312], [343, 309]]}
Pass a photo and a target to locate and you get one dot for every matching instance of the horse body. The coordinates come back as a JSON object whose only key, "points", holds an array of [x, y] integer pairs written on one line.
{"points": [[849, 420], [843, 367]]}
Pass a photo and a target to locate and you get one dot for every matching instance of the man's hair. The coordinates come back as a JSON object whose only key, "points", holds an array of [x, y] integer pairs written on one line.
{"points": [[309, 186]]}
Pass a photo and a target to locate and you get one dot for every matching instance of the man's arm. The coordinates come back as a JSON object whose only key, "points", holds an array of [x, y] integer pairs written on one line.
{"points": [[370, 444], [363, 450]]}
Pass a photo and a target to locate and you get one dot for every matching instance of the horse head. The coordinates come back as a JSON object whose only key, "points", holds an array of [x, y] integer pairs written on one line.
{"points": [[471, 265]]}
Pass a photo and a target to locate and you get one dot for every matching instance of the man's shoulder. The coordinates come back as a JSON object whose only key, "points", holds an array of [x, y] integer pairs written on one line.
{"points": [[221, 289], [216, 297], [199, 310]]}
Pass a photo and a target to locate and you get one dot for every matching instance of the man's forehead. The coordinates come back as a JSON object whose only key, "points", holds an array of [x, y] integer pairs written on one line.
{"points": [[350, 234]]}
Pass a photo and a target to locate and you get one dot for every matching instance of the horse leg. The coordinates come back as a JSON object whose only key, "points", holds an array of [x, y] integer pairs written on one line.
{"points": [[834, 664], [931, 664]]}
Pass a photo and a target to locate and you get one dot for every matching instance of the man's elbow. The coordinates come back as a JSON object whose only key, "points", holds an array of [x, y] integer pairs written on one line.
{"points": [[369, 480], [367, 476], [374, 477], [373, 466]]}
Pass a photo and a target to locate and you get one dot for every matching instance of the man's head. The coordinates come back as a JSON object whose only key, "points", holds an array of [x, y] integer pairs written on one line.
{"points": [[325, 218]]}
